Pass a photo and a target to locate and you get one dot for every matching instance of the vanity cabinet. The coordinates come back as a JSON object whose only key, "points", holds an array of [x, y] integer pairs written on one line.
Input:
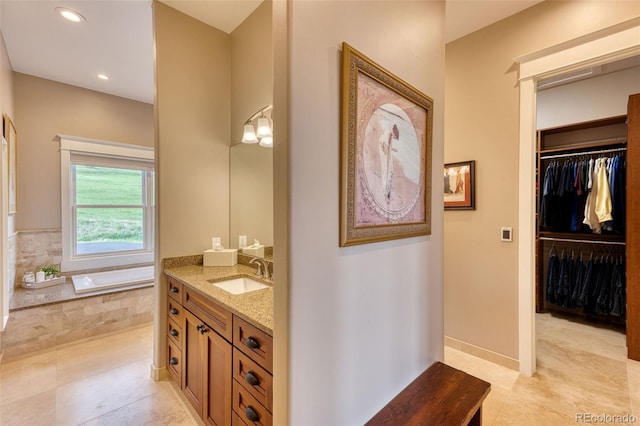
{"points": [[222, 363], [206, 381], [252, 374]]}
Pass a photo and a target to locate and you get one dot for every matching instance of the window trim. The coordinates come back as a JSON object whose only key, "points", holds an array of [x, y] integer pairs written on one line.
{"points": [[72, 145]]}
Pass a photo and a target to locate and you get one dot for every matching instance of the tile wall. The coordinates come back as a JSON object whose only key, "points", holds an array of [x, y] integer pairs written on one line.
{"points": [[45, 326], [35, 249]]}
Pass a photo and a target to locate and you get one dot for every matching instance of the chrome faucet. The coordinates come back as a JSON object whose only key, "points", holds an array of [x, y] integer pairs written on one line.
{"points": [[262, 268]]}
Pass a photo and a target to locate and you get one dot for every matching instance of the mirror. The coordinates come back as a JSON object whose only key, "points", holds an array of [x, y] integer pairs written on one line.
{"points": [[251, 165], [251, 194]]}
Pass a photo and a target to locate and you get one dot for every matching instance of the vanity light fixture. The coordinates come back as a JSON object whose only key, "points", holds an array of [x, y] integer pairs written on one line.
{"points": [[264, 132], [70, 14], [266, 142]]}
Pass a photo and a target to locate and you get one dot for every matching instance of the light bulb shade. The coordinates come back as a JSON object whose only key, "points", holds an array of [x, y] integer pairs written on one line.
{"points": [[264, 128], [249, 135], [266, 142]]}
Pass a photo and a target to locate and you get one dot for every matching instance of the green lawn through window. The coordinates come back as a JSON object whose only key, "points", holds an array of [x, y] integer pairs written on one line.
{"points": [[104, 186]]}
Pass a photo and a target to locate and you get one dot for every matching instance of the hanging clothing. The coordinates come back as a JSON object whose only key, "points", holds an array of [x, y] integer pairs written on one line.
{"points": [[603, 204], [553, 278], [597, 286], [590, 215]]}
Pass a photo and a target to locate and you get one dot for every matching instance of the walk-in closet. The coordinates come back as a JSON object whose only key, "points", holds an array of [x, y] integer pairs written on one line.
{"points": [[588, 218]]}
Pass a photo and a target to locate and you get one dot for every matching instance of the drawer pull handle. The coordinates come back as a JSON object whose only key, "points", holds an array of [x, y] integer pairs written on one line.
{"points": [[252, 343], [174, 311], [251, 414], [173, 361], [174, 332], [252, 379], [174, 290]]}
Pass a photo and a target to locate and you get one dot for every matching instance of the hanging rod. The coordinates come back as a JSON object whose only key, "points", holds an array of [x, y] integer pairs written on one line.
{"points": [[577, 154], [569, 240]]}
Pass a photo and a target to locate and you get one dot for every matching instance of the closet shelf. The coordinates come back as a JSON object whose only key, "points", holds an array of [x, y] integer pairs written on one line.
{"points": [[581, 237], [584, 148], [584, 153]]}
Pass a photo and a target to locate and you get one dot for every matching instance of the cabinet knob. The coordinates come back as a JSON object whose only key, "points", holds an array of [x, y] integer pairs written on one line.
{"points": [[251, 414], [173, 361], [252, 343], [203, 329], [174, 290], [199, 327], [174, 332], [174, 311], [252, 379]]}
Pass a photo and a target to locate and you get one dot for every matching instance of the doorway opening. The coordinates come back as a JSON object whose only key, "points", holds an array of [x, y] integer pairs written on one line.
{"points": [[606, 46]]}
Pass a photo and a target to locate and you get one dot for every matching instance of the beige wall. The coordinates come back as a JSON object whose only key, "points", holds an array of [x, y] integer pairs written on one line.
{"points": [[251, 166], [192, 144], [44, 109], [481, 123], [7, 225], [364, 320]]}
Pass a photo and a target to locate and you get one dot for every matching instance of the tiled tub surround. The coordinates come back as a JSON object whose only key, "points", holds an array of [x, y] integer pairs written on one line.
{"points": [[35, 249], [43, 318], [256, 307], [13, 249]]}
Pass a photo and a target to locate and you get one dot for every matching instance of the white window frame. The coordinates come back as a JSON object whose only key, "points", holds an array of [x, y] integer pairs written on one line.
{"points": [[108, 152]]}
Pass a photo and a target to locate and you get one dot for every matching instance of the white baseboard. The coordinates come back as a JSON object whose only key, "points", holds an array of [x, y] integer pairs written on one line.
{"points": [[485, 354]]}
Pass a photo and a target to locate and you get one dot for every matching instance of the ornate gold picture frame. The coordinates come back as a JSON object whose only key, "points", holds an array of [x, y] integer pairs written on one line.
{"points": [[385, 170]]}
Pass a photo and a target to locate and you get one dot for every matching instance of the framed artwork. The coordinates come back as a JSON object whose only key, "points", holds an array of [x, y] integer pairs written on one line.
{"points": [[11, 136], [385, 160], [459, 186]]}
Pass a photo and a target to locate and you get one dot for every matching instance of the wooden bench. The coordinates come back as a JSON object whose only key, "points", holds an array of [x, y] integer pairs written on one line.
{"points": [[441, 395]]}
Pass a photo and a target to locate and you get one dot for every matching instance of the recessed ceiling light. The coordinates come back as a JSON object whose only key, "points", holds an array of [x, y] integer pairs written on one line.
{"points": [[103, 77], [70, 15]]}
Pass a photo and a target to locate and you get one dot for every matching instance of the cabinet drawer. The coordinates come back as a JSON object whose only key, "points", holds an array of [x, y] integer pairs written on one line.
{"points": [[174, 310], [255, 379], [236, 420], [248, 408], [257, 344], [174, 289], [174, 333], [208, 311], [174, 362]]}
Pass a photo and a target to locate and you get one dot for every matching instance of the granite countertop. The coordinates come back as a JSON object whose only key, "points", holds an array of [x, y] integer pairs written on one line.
{"points": [[256, 307]]}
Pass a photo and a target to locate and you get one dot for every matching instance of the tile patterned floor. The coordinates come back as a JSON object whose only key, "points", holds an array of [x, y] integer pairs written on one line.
{"points": [[105, 381], [99, 381], [581, 369]]}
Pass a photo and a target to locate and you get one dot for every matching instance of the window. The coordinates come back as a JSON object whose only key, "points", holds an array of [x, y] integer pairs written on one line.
{"points": [[107, 204]]}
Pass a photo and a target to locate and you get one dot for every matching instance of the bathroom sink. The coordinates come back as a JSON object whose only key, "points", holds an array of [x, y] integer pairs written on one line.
{"points": [[240, 285]]}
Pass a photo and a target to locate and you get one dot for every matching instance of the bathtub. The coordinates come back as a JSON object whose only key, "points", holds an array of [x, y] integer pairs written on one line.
{"points": [[130, 278]]}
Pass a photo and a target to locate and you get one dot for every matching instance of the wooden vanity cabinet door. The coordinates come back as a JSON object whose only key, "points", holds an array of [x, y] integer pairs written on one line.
{"points": [[193, 355], [218, 381], [206, 378]]}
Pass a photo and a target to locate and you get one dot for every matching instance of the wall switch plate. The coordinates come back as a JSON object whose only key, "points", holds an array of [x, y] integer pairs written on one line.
{"points": [[215, 241], [506, 234], [242, 241]]}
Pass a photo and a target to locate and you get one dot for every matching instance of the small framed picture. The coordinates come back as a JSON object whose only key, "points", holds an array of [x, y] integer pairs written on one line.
{"points": [[459, 186]]}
